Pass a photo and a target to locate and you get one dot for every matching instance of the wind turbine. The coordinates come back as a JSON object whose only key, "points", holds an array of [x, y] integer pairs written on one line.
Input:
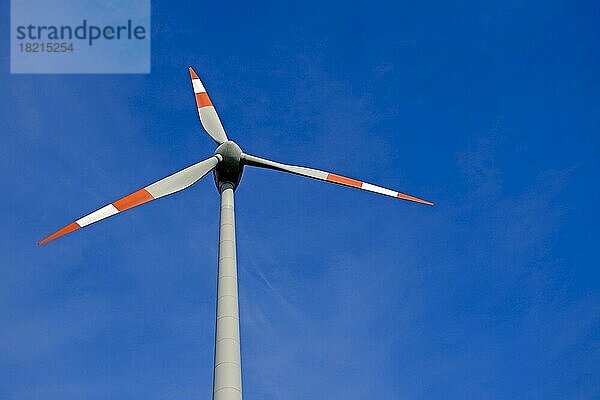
{"points": [[227, 164]]}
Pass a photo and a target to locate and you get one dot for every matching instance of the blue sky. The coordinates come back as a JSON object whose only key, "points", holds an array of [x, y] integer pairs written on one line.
{"points": [[489, 109]]}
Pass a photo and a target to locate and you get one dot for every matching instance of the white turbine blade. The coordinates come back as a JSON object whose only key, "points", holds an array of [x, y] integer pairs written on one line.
{"points": [[328, 177], [208, 115], [171, 184]]}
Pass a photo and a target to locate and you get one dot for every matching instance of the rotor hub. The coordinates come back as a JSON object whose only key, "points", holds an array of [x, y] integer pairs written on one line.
{"points": [[229, 169]]}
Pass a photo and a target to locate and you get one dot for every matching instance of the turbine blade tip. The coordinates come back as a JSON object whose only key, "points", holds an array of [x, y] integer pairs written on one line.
{"points": [[73, 226], [415, 199], [45, 240]]}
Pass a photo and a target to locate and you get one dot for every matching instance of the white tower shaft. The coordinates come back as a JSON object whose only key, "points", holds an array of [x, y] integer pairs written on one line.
{"points": [[227, 384]]}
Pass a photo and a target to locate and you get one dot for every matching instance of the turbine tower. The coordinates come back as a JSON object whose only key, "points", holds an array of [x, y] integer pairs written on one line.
{"points": [[227, 164]]}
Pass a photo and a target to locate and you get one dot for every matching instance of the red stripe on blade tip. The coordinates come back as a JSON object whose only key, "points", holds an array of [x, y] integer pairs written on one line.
{"points": [[415, 199], [67, 229]]}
